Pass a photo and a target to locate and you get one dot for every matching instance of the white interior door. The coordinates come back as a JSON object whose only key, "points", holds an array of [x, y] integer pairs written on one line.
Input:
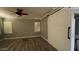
{"points": [[58, 24]]}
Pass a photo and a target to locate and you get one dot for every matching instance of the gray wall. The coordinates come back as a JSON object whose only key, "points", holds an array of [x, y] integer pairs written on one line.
{"points": [[22, 27], [44, 31]]}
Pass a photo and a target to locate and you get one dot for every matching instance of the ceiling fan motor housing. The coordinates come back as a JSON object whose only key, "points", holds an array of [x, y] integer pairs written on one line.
{"points": [[19, 13]]}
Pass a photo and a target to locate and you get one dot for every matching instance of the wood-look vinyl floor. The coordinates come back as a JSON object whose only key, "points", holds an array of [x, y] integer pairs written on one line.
{"points": [[27, 44]]}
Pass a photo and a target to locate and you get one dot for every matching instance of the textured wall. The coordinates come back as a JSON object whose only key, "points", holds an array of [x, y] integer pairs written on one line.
{"points": [[44, 27], [22, 27]]}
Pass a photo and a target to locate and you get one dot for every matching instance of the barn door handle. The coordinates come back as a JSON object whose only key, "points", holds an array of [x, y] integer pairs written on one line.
{"points": [[68, 32]]}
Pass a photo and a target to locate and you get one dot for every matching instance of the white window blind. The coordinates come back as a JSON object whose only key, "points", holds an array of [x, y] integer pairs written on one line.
{"points": [[7, 27], [37, 26]]}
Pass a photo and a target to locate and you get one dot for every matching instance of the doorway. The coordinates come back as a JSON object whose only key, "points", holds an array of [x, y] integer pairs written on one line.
{"points": [[76, 32], [1, 28]]}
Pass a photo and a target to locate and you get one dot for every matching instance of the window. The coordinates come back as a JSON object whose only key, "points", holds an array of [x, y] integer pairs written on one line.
{"points": [[37, 27], [7, 27]]}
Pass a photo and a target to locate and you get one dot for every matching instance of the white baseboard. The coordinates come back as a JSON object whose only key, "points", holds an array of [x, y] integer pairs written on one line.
{"points": [[22, 37], [47, 40], [44, 38]]}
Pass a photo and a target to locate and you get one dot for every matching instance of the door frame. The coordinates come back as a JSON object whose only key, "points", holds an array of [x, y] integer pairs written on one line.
{"points": [[73, 21]]}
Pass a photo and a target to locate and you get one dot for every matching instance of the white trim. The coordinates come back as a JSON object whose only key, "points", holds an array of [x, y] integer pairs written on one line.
{"points": [[72, 40], [46, 40], [72, 34], [22, 37], [43, 37], [50, 12]]}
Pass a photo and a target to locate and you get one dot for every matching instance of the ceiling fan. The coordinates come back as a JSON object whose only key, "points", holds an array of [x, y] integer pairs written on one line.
{"points": [[20, 12]]}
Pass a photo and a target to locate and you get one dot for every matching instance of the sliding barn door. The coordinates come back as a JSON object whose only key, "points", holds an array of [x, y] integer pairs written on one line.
{"points": [[58, 26]]}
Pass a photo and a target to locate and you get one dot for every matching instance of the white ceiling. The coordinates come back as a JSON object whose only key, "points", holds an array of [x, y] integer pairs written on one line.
{"points": [[34, 12]]}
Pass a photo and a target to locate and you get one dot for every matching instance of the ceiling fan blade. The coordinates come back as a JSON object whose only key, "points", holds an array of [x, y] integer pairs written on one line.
{"points": [[24, 13], [18, 12]]}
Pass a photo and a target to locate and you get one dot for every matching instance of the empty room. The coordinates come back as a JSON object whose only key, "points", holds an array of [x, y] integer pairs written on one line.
{"points": [[34, 28]]}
